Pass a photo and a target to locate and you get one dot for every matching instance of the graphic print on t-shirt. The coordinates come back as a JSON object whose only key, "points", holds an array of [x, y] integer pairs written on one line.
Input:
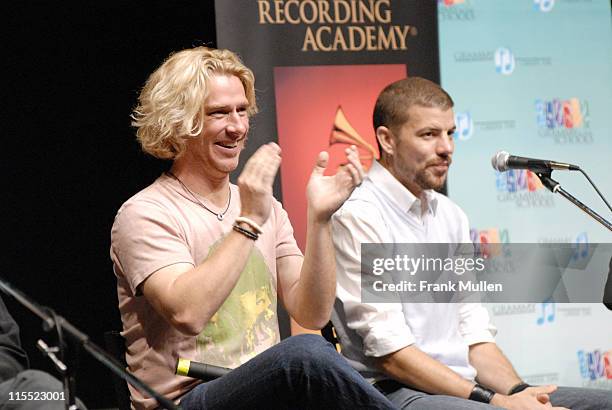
{"points": [[246, 323]]}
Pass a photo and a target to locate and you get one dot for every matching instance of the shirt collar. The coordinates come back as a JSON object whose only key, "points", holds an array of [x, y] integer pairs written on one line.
{"points": [[398, 193]]}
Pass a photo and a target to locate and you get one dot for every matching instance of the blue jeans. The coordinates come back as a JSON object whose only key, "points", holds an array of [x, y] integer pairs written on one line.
{"points": [[301, 372], [573, 398]]}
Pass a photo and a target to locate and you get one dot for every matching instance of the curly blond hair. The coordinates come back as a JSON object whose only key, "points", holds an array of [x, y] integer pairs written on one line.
{"points": [[170, 105]]}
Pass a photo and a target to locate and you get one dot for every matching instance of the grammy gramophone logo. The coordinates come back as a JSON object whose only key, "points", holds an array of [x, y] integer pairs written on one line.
{"points": [[332, 112], [343, 133]]}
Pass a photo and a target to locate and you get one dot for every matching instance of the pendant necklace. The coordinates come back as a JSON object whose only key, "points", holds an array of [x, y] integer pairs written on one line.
{"points": [[197, 201]]}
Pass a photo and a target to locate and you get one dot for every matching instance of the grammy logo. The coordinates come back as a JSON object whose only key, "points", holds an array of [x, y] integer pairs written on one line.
{"points": [[343, 133]]}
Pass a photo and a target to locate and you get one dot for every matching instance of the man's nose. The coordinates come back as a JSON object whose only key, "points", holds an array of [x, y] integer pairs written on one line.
{"points": [[446, 145], [236, 123]]}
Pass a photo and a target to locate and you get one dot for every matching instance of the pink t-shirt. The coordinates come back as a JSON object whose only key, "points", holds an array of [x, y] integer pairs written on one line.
{"points": [[163, 225]]}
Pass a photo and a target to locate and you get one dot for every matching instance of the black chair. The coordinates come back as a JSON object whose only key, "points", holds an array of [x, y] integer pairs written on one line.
{"points": [[329, 333], [115, 345]]}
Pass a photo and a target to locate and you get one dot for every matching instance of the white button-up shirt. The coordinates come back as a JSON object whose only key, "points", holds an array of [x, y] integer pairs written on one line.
{"points": [[382, 210]]}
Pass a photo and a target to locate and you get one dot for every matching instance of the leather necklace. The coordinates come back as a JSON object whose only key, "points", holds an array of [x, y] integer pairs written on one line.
{"points": [[197, 201]]}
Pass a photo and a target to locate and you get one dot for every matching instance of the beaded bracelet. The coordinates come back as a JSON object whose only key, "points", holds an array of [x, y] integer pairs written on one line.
{"points": [[245, 232], [251, 223]]}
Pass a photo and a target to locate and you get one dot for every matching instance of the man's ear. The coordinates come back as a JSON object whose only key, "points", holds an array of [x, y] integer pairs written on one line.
{"points": [[386, 140]]}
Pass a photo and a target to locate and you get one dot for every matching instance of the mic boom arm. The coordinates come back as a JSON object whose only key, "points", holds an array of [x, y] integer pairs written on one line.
{"points": [[555, 187]]}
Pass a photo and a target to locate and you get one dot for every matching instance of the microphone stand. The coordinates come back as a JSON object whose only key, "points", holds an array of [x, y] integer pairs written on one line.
{"points": [[554, 187], [53, 321]]}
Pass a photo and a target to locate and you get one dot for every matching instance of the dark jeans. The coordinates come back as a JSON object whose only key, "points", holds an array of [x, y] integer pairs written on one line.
{"points": [[301, 372], [573, 398]]}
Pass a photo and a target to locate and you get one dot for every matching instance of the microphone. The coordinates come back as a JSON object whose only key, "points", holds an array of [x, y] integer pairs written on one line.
{"points": [[502, 161], [202, 371]]}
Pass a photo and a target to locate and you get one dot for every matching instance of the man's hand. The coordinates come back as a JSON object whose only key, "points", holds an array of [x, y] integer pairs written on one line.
{"points": [[255, 182], [532, 398], [326, 194]]}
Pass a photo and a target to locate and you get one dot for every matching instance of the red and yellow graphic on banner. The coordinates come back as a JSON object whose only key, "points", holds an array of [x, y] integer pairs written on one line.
{"points": [[324, 108]]}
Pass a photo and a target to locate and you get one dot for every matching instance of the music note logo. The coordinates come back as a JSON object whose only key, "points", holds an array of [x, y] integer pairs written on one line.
{"points": [[504, 61], [548, 312], [581, 246], [465, 126], [544, 5]]}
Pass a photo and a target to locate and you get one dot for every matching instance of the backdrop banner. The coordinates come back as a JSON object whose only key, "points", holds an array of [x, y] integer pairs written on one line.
{"points": [[527, 76], [319, 66], [532, 77]]}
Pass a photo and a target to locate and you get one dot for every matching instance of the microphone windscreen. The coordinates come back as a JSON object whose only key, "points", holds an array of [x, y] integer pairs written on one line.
{"points": [[499, 161]]}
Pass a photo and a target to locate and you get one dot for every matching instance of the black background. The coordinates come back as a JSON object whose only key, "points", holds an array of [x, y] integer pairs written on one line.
{"points": [[70, 158]]}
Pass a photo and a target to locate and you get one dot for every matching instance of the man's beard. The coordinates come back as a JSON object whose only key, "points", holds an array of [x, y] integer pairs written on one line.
{"points": [[427, 180]]}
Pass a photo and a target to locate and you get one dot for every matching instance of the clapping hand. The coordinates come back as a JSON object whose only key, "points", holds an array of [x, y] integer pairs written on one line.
{"points": [[255, 182], [326, 194]]}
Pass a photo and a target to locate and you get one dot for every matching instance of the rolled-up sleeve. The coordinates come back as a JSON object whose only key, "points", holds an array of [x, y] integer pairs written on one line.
{"points": [[475, 325], [381, 326]]}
